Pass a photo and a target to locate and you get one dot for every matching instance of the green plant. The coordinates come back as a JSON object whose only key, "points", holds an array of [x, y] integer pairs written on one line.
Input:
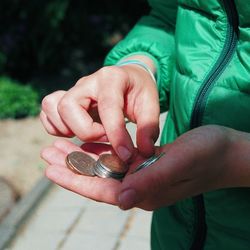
{"points": [[16, 100]]}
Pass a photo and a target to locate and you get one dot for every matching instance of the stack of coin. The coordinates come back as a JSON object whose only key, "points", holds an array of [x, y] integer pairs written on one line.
{"points": [[110, 166], [107, 166]]}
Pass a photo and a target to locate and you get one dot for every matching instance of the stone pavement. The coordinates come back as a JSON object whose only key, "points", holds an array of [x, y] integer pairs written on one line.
{"points": [[66, 221]]}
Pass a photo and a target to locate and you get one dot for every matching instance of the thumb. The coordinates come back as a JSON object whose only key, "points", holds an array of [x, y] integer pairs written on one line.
{"points": [[144, 188]]}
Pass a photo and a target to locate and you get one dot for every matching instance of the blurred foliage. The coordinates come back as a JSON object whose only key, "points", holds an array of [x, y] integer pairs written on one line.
{"points": [[51, 43], [16, 100]]}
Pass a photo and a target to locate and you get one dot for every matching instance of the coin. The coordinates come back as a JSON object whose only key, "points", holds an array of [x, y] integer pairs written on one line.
{"points": [[80, 163], [110, 166], [113, 163], [148, 162]]}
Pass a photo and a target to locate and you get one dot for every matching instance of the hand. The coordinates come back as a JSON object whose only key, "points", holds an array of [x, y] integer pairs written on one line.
{"points": [[201, 160], [95, 107], [90, 187]]}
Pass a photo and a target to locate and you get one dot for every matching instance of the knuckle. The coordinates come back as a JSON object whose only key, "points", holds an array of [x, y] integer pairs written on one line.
{"points": [[85, 136], [51, 100], [51, 131], [113, 72], [89, 133], [81, 81], [106, 70], [64, 105], [47, 102], [82, 136], [65, 132]]}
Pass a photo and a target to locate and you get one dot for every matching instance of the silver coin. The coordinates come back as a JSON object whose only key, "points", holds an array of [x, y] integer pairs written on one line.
{"points": [[110, 166], [148, 162], [80, 163]]}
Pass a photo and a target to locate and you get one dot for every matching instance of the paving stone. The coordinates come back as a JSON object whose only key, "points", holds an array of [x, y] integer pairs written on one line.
{"points": [[54, 221], [48, 241], [55, 215], [61, 198], [57, 212], [7, 197], [140, 225], [90, 241], [99, 216], [137, 235], [134, 244]]}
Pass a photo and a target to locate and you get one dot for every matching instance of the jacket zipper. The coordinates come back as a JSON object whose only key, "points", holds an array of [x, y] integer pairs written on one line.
{"points": [[200, 104]]}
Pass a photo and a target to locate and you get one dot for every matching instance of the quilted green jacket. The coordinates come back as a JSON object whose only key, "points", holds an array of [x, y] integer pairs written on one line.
{"points": [[202, 53]]}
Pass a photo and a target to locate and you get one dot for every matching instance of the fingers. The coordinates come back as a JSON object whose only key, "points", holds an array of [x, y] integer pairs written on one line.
{"points": [[147, 133], [107, 87], [113, 92], [147, 119], [157, 185], [48, 125], [74, 112], [90, 187], [53, 155], [111, 106], [103, 190], [141, 187], [57, 153], [50, 117], [74, 107], [66, 114]]}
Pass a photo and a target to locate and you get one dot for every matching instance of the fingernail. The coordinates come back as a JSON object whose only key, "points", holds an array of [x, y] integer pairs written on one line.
{"points": [[123, 153], [127, 199]]}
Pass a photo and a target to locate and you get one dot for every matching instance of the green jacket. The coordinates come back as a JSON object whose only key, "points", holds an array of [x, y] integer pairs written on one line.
{"points": [[202, 53]]}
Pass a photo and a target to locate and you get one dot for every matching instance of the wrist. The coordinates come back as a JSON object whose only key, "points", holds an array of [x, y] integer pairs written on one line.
{"points": [[140, 61]]}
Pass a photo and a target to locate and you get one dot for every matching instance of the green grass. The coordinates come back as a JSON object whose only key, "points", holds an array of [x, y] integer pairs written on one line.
{"points": [[17, 100]]}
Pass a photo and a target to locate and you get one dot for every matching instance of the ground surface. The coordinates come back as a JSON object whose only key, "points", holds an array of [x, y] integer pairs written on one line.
{"points": [[66, 221], [20, 145], [20, 164]]}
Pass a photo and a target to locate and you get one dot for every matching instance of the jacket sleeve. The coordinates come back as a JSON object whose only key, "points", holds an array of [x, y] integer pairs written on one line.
{"points": [[153, 35]]}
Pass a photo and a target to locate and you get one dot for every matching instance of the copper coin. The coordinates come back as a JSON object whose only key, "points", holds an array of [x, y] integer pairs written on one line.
{"points": [[113, 163], [80, 163]]}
